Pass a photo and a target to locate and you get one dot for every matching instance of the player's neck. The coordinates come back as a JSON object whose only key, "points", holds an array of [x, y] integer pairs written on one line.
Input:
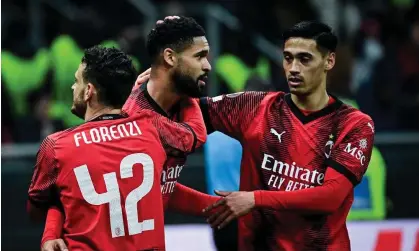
{"points": [[96, 112], [160, 90], [312, 102]]}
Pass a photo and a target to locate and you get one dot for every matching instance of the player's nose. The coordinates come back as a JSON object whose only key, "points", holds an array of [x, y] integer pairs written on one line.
{"points": [[206, 66], [295, 68]]}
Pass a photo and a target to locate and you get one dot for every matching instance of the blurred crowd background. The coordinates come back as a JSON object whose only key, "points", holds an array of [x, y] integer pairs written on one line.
{"points": [[377, 71], [42, 40]]}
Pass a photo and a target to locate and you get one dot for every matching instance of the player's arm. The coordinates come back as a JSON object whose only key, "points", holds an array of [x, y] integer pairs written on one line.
{"points": [[347, 164], [346, 167], [322, 199], [176, 138], [190, 114], [42, 190], [231, 114], [53, 225], [189, 201]]}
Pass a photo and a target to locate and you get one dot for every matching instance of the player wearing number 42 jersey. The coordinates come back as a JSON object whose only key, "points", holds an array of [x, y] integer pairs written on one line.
{"points": [[303, 152], [179, 52], [105, 173]]}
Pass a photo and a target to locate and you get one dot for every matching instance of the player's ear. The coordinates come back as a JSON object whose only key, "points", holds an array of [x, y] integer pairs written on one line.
{"points": [[169, 56], [330, 61], [89, 91]]}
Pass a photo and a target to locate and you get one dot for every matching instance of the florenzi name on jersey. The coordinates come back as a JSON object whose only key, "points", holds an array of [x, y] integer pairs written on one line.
{"points": [[280, 170], [107, 133]]}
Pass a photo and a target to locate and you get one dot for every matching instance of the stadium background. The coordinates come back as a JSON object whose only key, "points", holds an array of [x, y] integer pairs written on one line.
{"points": [[377, 70]]}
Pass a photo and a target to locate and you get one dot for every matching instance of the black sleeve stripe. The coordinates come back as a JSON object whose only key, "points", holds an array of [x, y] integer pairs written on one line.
{"points": [[38, 204], [45, 205], [343, 170], [203, 103], [194, 137]]}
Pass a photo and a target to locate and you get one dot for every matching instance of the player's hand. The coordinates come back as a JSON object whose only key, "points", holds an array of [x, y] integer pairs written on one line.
{"points": [[54, 245], [167, 18], [142, 78], [232, 206]]}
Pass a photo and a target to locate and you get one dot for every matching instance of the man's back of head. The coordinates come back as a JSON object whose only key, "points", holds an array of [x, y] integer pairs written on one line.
{"points": [[104, 79], [112, 72]]}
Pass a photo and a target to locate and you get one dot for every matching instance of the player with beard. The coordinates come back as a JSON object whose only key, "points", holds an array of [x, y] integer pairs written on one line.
{"points": [[105, 174], [179, 51], [303, 152]]}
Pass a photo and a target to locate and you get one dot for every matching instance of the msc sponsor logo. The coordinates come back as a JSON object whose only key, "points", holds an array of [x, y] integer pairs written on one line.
{"points": [[355, 152]]}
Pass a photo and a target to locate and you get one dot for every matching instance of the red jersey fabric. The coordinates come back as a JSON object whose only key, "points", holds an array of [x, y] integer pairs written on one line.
{"points": [[105, 173], [288, 152], [185, 200], [140, 100]]}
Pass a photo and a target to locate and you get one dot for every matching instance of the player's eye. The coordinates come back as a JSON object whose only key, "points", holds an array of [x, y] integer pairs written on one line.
{"points": [[288, 58], [305, 60]]}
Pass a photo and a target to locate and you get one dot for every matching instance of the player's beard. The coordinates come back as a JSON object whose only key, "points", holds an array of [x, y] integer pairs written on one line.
{"points": [[187, 85], [79, 107]]}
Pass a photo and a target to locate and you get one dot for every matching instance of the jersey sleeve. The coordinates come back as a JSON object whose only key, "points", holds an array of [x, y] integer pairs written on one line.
{"points": [[190, 113], [351, 155], [321, 199], [231, 114], [189, 201], [42, 190], [177, 138], [53, 224]]}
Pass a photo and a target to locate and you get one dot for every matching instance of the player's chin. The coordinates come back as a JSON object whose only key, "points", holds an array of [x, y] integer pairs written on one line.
{"points": [[297, 90], [198, 91]]}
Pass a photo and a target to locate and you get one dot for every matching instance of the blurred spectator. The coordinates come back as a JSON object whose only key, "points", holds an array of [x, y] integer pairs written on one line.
{"points": [[35, 126], [408, 58], [392, 96]]}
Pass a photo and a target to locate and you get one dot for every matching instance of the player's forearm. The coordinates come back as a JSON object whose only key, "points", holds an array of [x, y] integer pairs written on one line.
{"points": [[53, 225], [322, 199], [189, 201]]}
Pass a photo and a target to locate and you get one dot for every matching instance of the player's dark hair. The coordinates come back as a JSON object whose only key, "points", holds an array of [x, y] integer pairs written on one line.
{"points": [[111, 71], [323, 35], [176, 34]]}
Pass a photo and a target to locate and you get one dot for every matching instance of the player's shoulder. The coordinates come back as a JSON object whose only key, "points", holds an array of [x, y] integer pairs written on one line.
{"points": [[349, 112], [137, 89], [147, 119], [49, 143], [353, 118], [278, 96], [145, 115], [138, 100], [245, 96], [54, 137]]}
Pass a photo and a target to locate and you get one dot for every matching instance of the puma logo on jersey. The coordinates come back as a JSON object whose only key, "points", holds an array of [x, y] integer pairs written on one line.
{"points": [[370, 125], [279, 135]]}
